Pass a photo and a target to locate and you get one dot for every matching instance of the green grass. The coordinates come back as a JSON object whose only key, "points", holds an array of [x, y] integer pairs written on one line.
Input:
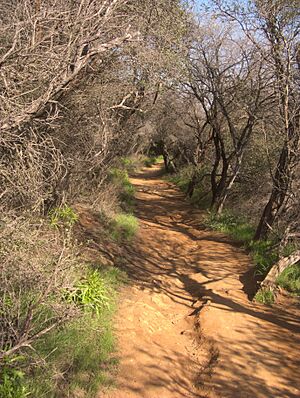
{"points": [[237, 227], [124, 227], [79, 357], [130, 164], [263, 255], [289, 279], [265, 296]]}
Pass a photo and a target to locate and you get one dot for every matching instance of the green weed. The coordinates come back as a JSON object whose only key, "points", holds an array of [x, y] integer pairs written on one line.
{"points": [[289, 279], [12, 383], [91, 293], [64, 217]]}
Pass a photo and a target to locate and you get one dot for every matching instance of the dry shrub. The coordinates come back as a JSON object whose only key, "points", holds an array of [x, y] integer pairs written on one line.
{"points": [[107, 201], [38, 167], [37, 265]]}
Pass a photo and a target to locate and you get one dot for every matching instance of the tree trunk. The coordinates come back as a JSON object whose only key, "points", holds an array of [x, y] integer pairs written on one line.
{"points": [[192, 184], [278, 195], [278, 268]]}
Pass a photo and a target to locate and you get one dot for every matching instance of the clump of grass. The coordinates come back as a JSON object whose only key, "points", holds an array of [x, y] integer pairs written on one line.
{"points": [[265, 296], [91, 293], [79, 355], [129, 164], [124, 226], [289, 279]]}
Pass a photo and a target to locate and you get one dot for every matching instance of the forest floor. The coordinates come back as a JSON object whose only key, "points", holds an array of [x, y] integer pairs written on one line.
{"points": [[186, 326]]}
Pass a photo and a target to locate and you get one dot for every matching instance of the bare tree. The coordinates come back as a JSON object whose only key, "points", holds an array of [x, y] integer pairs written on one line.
{"points": [[273, 27], [229, 81]]}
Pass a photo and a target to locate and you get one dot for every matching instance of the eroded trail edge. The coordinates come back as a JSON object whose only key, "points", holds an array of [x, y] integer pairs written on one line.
{"points": [[185, 325]]}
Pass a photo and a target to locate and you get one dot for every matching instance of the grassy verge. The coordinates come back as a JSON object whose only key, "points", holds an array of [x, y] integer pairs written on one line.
{"points": [[123, 227], [240, 230], [79, 356], [263, 253]]}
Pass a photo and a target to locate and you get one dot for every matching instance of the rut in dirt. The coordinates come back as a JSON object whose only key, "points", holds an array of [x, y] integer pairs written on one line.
{"points": [[186, 326]]}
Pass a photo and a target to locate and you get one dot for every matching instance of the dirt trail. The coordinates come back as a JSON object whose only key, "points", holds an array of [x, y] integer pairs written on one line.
{"points": [[186, 327]]}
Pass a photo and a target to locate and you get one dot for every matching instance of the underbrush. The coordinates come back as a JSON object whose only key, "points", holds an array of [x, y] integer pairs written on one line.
{"points": [[56, 336], [121, 224], [79, 355], [201, 195], [126, 191], [37, 264]]}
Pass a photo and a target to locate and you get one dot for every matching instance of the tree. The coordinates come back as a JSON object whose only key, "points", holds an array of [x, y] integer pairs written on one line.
{"points": [[229, 82], [273, 27]]}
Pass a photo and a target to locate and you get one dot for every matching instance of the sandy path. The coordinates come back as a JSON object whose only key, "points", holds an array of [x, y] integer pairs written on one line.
{"points": [[185, 325]]}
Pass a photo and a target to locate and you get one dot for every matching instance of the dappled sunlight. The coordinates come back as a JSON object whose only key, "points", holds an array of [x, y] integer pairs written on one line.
{"points": [[186, 326]]}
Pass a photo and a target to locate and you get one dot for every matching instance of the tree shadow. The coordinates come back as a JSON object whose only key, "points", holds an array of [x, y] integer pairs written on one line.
{"points": [[175, 256]]}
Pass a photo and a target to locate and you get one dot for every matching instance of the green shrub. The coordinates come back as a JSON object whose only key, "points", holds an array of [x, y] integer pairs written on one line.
{"points": [[289, 279], [12, 383], [124, 226], [64, 217], [265, 296]]}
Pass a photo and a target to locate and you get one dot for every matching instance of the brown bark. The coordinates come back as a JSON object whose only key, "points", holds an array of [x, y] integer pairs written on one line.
{"points": [[278, 268]]}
